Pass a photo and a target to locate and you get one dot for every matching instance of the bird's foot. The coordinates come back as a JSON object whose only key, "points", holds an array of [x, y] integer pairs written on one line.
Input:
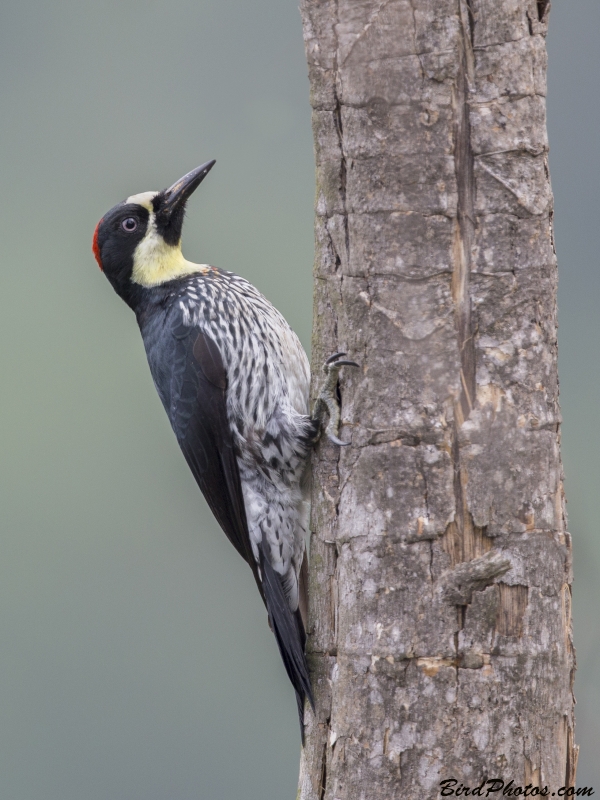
{"points": [[327, 404]]}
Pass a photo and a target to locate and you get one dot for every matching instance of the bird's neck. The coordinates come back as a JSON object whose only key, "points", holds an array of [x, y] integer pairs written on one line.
{"points": [[155, 262]]}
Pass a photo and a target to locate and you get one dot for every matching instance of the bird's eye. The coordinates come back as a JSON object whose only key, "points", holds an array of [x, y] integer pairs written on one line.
{"points": [[129, 224]]}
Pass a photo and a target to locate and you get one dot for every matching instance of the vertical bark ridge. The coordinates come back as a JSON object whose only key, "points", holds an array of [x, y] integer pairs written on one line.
{"points": [[465, 215], [333, 245], [339, 126], [464, 541]]}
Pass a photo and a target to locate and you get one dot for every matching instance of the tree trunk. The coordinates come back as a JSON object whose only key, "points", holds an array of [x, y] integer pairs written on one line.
{"points": [[440, 618]]}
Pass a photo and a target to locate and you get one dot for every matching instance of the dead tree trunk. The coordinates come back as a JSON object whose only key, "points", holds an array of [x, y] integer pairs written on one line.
{"points": [[440, 624]]}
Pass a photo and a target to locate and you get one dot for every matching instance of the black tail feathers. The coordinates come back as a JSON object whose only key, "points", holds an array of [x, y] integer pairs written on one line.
{"points": [[290, 635]]}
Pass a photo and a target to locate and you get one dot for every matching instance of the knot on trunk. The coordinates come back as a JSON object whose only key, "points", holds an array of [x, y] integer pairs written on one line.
{"points": [[458, 584]]}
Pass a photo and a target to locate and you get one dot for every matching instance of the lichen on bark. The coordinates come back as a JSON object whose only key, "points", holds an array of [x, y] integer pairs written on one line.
{"points": [[439, 631]]}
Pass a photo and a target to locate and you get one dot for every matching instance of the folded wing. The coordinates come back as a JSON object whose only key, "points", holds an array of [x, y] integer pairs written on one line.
{"points": [[198, 413]]}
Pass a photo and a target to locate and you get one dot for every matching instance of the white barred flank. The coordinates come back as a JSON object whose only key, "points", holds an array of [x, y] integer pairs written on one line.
{"points": [[267, 407]]}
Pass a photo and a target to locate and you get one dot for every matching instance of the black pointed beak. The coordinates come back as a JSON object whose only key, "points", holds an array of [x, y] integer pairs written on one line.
{"points": [[177, 195]]}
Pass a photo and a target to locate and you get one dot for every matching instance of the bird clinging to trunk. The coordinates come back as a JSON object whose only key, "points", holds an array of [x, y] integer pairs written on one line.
{"points": [[234, 381]]}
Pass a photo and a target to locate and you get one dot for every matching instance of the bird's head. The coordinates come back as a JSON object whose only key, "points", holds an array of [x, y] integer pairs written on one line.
{"points": [[138, 242]]}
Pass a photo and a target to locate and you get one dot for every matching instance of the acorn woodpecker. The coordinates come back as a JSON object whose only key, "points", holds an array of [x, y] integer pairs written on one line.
{"points": [[234, 381]]}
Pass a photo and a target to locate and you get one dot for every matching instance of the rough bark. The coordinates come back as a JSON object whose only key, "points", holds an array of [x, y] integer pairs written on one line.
{"points": [[440, 625]]}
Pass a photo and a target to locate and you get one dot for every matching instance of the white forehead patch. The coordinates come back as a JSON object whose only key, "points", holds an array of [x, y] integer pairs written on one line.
{"points": [[143, 199]]}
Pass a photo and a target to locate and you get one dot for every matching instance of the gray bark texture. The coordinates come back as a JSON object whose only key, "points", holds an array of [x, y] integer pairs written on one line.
{"points": [[440, 579]]}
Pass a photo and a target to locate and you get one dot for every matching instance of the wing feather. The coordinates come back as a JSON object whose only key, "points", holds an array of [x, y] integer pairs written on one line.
{"points": [[192, 385], [198, 414]]}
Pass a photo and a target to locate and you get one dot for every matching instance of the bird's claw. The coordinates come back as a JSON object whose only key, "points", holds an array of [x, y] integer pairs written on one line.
{"points": [[334, 358], [331, 359], [335, 440], [327, 402], [346, 364]]}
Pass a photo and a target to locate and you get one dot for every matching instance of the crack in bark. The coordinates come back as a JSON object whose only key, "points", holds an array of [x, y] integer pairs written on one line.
{"points": [[323, 787], [463, 541], [519, 198], [572, 756], [337, 116], [465, 228], [336, 256], [414, 18], [518, 150], [413, 280], [370, 23], [543, 9], [472, 18]]}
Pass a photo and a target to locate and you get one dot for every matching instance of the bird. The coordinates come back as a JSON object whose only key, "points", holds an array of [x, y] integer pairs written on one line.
{"points": [[234, 381]]}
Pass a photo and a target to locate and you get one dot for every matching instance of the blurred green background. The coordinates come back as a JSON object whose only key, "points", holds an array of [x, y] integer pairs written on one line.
{"points": [[135, 658]]}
